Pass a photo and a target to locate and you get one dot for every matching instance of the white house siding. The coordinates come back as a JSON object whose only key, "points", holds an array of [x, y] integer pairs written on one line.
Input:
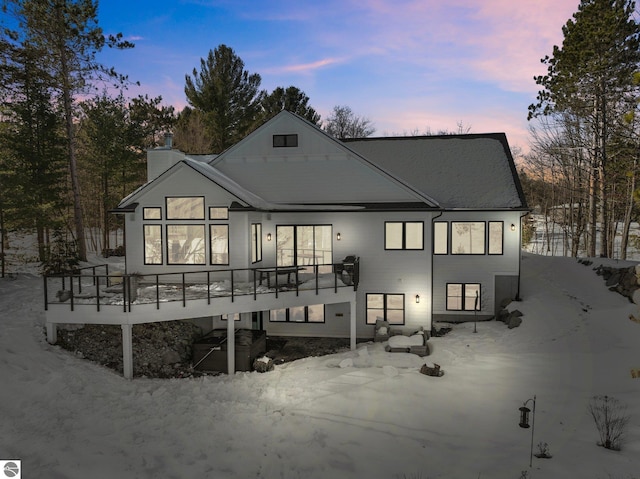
{"points": [[483, 269], [362, 234], [183, 181]]}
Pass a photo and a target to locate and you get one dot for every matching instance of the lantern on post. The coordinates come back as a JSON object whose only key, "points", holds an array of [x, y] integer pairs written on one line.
{"points": [[524, 422]]}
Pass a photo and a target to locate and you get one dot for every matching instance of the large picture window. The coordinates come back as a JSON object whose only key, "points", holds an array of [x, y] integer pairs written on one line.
{"points": [[463, 297], [219, 244], [185, 207], [388, 307], [185, 244], [152, 244], [467, 237], [403, 235]]}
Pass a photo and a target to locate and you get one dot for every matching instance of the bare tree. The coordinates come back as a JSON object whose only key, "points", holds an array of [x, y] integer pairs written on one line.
{"points": [[344, 123]]}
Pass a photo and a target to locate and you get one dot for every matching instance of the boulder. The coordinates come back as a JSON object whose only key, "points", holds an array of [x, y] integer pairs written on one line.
{"points": [[263, 364], [503, 315], [514, 322]]}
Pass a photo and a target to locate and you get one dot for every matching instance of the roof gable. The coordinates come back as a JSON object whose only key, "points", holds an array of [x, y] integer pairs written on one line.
{"points": [[318, 170]]}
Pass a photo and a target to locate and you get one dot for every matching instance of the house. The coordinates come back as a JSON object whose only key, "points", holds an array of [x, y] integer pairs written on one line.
{"points": [[410, 230]]}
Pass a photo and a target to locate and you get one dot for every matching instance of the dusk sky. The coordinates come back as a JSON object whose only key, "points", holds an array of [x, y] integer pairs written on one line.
{"points": [[407, 65]]}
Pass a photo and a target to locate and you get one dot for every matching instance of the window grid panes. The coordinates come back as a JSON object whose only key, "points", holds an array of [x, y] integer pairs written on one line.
{"points": [[304, 245], [219, 244], [298, 314], [385, 306], [218, 213], [256, 242], [404, 235], [467, 237], [496, 237], [464, 297], [152, 244], [185, 208], [440, 237], [285, 141], [152, 213], [185, 244]]}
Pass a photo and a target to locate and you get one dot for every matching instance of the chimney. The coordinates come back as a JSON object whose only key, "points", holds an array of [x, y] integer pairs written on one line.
{"points": [[168, 140]]}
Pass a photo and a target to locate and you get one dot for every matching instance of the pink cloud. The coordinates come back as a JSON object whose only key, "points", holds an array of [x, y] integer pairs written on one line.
{"points": [[303, 67]]}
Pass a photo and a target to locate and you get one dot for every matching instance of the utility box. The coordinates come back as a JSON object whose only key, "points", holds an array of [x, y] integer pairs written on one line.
{"points": [[210, 351]]}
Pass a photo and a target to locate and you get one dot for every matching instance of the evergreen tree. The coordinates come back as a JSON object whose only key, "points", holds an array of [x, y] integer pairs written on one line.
{"points": [[227, 95], [291, 99], [33, 172], [590, 77], [66, 36]]}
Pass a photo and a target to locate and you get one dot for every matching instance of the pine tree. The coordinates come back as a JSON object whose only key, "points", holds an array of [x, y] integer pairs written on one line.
{"points": [[227, 94], [591, 78]]}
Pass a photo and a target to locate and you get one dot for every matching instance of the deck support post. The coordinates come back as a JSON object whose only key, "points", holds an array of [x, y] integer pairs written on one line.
{"points": [[231, 345], [127, 351], [52, 333], [352, 329]]}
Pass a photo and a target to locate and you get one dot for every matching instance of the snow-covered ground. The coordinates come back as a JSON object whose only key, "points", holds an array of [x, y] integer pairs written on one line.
{"points": [[64, 417]]}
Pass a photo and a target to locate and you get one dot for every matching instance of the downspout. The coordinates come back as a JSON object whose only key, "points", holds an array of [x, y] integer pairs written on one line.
{"points": [[432, 259], [518, 298]]}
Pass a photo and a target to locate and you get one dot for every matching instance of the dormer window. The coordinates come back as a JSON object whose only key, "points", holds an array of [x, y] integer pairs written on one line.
{"points": [[285, 141]]}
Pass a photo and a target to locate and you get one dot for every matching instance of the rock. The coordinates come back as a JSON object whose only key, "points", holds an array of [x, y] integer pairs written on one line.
{"points": [[613, 279], [263, 364], [503, 315], [514, 322], [346, 363], [431, 371], [516, 313]]}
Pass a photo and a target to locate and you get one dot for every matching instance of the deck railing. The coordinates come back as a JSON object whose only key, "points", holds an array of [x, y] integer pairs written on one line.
{"points": [[78, 287]]}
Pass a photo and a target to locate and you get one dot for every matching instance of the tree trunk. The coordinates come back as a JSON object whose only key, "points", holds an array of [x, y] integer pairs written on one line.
{"points": [[73, 167]]}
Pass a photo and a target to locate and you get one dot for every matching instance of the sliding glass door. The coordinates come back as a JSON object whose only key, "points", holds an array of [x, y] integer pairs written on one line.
{"points": [[302, 245]]}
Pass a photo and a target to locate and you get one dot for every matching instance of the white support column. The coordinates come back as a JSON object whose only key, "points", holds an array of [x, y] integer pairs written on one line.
{"points": [[52, 333], [127, 351], [352, 316], [231, 345]]}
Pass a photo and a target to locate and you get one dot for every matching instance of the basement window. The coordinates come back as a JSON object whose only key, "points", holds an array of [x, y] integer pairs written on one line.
{"points": [[285, 141]]}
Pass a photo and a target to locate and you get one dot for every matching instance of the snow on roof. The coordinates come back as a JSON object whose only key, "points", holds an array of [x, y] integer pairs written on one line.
{"points": [[459, 171]]}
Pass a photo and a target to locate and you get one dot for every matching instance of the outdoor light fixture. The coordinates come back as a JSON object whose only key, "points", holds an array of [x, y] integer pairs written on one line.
{"points": [[513, 227], [268, 236], [524, 422], [338, 236], [417, 298]]}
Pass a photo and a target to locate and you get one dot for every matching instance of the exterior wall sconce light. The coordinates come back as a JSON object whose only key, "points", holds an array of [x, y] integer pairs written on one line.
{"points": [[513, 227], [268, 236], [338, 236], [417, 298], [524, 422]]}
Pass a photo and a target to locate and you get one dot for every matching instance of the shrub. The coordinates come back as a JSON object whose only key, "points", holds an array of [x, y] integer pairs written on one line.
{"points": [[611, 420]]}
